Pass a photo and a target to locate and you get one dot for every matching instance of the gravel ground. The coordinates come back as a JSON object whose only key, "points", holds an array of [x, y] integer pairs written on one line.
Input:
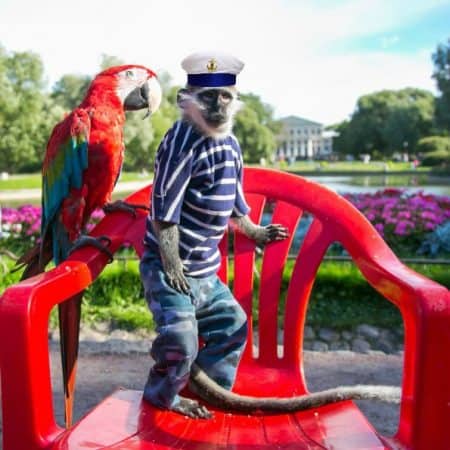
{"points": [[99, 375]]}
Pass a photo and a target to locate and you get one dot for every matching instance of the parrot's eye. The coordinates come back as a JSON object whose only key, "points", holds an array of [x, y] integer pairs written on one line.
{"points": [[129, 74]]}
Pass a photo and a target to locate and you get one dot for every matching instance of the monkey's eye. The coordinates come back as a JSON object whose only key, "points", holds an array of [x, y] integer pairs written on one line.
{"points": [[226, 95], [208, 95], [129, 74]]}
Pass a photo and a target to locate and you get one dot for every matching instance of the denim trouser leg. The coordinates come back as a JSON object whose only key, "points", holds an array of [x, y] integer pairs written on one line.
{"points": [[210, 312], [222, 324]]}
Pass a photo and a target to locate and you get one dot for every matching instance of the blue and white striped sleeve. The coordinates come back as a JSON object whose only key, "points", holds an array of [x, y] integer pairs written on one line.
{"points": [[241, 207], [173, 168]]}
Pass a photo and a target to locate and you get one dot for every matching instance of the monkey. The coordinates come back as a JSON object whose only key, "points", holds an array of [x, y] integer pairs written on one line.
{"points": [[181, 245]]}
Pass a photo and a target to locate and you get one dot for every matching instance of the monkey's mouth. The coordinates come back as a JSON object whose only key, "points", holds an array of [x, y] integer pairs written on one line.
{"points": [[216, 118]]}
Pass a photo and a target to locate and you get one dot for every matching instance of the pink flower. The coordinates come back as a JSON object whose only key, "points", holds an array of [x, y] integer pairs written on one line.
{"points": [[401, 229], [380, 228], [404, 215], [429, 215]]}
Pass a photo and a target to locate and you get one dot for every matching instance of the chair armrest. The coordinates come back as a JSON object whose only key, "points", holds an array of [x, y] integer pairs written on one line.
{"points": [[28, 418], [425, 308]]}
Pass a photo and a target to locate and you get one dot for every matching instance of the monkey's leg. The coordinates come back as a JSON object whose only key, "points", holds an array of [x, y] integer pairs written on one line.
{"points": [[120, 205]]}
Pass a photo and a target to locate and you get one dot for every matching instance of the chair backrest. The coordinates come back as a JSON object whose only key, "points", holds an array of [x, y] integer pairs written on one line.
{"points": [[288, 197]]}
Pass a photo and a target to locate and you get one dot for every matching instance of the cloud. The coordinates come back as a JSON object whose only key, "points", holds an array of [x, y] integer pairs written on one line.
{"points": [[289, 47]]}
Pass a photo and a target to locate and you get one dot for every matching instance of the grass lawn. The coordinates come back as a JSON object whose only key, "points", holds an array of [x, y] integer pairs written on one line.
{"points": [[33, 180], [25, 181], [347, 166]]}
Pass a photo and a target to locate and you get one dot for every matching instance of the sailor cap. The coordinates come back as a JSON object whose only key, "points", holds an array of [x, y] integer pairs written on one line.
{"points": [[211, 69]]}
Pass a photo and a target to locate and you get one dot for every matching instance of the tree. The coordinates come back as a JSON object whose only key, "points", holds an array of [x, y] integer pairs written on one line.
{"points": [[441, 74], [26, 114], [387, 121], [69, 90], [255, 129]]}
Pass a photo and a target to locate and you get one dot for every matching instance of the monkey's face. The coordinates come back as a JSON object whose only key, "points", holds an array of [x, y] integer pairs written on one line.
{"points": [[216, 104]]}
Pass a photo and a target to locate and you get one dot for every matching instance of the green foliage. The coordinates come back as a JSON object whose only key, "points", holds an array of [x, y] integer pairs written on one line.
{"points": [[436, 150], [441, 73], [340, 297], [117, 286], [438, 158], [117, 296], [26, 113], [387, 121], [254, 128], [433, 144], [69, 90]]}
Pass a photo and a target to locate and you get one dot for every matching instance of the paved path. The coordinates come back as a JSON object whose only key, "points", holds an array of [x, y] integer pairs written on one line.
{"points": [[99, 375]]}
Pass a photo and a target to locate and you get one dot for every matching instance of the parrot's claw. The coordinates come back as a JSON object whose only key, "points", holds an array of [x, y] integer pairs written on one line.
{"points": [[96, 242], [120, 205]]}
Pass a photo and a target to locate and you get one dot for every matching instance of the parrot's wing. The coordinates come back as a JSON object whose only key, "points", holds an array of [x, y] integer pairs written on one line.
{"points": [[65, 160]]}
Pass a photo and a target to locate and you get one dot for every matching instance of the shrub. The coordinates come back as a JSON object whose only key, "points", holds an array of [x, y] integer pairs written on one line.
{"points": [[437, 158], [436, 150], [434, 144]]}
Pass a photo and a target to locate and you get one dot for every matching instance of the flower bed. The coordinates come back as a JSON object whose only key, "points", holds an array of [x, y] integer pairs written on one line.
{"points": [[21, 227], [405, 221]]}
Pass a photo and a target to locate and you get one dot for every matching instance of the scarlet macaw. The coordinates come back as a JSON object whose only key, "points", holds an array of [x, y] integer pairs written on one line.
{"points": [[81, 166]]}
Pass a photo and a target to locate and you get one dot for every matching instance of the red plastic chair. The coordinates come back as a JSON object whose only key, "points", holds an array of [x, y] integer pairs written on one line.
{"points": [[122, 421]]}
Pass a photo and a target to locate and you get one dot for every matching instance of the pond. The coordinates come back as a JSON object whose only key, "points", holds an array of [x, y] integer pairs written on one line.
{"points": [[437, 185]]}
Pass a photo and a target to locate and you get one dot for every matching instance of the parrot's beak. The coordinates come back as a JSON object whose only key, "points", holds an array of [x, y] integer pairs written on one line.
{"points": [[146, 96]]}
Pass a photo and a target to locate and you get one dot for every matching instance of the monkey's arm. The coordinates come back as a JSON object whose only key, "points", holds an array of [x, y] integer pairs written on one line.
{"points": [[169, 238], [261, 235]]}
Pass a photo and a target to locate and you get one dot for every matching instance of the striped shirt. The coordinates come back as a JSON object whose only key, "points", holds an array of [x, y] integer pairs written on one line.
{"points": [[197, 185]]}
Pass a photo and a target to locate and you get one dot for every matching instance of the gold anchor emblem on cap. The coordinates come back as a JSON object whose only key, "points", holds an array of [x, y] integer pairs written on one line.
{"points": [[212, 65]]}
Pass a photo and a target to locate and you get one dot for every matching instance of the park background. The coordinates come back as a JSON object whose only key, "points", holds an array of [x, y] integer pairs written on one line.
{"points": [[375, 72]]}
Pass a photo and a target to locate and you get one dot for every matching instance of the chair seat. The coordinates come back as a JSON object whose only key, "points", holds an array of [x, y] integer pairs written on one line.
{"points": [[123, 421]]}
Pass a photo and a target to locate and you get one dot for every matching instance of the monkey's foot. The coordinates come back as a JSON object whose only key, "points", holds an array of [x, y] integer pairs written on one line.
{"points": [[96, 242], [191, 408], [120, 205]]}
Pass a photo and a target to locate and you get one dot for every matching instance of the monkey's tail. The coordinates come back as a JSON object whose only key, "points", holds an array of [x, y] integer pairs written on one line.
{"points": [[217, 396], [34, 261]]}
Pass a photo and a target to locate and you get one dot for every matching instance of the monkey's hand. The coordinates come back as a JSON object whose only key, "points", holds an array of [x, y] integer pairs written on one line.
{"points": [[269, 233], [169, 239], [261, 235], [191, 408], [175, 275]]}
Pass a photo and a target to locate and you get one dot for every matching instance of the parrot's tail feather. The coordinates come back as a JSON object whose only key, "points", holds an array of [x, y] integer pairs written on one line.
{"points": [[33, 261]]}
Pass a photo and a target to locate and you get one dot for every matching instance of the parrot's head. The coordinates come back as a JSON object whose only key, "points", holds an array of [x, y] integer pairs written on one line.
{"points": [[137, 87]]}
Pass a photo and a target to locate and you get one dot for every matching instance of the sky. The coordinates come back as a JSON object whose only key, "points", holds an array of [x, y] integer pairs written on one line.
{"points": [[311, 59]]}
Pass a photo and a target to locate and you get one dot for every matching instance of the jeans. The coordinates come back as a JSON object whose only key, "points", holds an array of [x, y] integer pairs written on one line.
{"points": [[209, 312]]}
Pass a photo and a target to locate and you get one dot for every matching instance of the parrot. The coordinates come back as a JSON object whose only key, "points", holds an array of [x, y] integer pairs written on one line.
{"points": [[81, 166]]}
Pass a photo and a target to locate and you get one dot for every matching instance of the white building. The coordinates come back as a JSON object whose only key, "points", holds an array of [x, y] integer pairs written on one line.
{"points": [[303, 139]]}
